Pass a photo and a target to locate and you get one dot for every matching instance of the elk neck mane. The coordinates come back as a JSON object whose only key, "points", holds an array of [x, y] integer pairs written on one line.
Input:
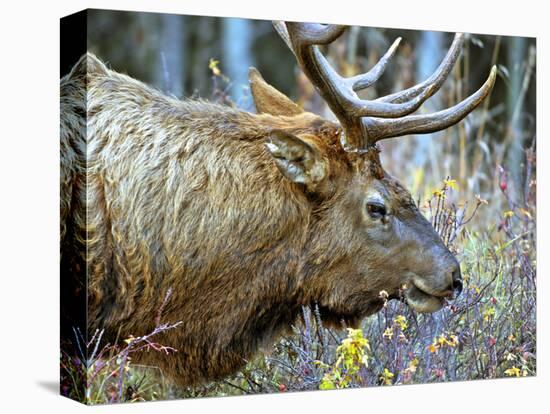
{"points": [[203, 169]]}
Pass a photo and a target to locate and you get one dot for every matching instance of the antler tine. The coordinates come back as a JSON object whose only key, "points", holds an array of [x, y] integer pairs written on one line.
{"points": [[308, 34], [362, 120], [379, 129], [280, 27], [331, 86], [337, 91], [357, 82], [365, 80], [436, 79]]}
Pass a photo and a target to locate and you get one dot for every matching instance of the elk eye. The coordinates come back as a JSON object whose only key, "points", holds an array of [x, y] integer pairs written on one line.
{"points": [[376, 210]]}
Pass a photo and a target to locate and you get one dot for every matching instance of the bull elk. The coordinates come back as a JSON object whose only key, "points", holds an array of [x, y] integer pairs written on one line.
{"points": [[246, 217]]}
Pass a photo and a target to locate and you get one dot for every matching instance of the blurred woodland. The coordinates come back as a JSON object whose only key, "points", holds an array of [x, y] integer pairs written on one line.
{"points": [[181, 55], [475, 182]]}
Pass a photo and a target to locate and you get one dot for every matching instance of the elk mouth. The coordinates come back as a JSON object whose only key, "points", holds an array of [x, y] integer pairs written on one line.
{"points": [[422, 301]]}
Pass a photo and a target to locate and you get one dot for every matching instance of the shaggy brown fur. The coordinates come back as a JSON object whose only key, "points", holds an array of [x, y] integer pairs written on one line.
{"points": [[158, 193]]}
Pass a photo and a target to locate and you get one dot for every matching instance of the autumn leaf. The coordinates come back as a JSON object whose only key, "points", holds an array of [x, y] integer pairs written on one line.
{"points": [[513, 372], [412, 366], [129, 340], [386, 377], [401, 321], [327, 383], [213, 66], [451, 184], [488, 314]]}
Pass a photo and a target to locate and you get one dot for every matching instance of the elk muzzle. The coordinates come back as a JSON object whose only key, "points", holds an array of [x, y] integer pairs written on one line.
{"points": [[429, 294]]}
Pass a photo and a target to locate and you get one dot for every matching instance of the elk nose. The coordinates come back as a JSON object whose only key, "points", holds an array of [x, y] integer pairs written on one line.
{"points": [[457, 282]]}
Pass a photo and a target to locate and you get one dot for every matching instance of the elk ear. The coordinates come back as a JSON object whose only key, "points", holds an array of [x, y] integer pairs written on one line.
{"points": [[298, 160], [269, 100], [88, 64]]}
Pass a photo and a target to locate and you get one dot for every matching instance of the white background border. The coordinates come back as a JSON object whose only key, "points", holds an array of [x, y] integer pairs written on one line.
{"points": [[29, 226]]}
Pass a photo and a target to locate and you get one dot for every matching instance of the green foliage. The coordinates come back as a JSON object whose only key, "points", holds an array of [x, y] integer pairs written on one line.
{"points": [[351, 357]]}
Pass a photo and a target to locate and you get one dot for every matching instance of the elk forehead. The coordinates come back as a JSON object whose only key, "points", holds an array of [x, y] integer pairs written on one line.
{"points": [[375, 195], [389, 193], [397, 192]]}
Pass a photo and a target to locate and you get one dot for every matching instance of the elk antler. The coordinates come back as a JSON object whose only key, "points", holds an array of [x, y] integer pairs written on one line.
{"points": [[366, 122]]}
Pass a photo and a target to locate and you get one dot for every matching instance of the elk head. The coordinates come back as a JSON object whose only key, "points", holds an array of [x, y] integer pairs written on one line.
{"points": [[367, 234]]}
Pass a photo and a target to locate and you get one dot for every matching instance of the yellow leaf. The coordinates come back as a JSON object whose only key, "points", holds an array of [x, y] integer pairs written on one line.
{"points": [[386, 377], [513, 372], [488, 314], [213, 66], [321, 364], [388, 333], [129, 340], [508, 213], [401, 321], [451, 184], [412, 366], [326, 384]]}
